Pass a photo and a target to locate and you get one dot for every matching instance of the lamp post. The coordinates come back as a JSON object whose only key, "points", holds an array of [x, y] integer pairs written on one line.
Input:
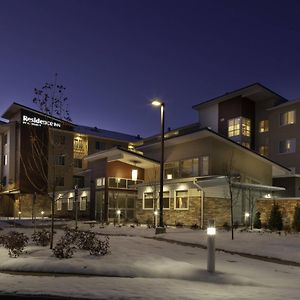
{"points": [[157, 102], [211, 232], [119, 216]]}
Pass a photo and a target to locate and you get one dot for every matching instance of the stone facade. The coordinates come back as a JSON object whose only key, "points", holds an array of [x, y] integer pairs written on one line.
{"points": [[287, 207], [172, 216], [217, 209]]}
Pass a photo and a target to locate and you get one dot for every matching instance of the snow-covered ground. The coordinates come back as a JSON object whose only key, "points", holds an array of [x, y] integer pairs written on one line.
{"points": [[144, 268]]}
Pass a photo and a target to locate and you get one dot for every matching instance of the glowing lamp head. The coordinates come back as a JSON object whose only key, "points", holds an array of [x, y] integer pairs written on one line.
{"points": [[118, 212], [157, 102], [19, 212], [247, 215], [155, 212], [211, 231], [169, 176], [42, 212]]}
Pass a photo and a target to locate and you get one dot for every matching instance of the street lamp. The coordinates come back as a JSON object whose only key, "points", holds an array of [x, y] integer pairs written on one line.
{"points": [[158, 102]]}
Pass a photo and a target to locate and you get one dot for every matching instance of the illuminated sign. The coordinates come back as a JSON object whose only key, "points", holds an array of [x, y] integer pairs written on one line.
{"points": [[34, 121]]}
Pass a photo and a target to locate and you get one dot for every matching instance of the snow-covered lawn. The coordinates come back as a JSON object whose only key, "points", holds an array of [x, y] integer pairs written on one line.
{"points": [[144, 268]]}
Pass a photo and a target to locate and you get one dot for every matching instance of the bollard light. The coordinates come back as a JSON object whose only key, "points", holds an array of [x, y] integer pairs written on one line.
{"points": [[19, 213], [211, 233], [119, 215], [247, 215], [155, 218]]}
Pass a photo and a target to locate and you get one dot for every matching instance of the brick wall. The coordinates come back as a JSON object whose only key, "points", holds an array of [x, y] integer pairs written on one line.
{"points": [[217, 209], [287, 207]]}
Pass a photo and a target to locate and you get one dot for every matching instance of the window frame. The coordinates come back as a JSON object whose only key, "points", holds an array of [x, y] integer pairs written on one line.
{"points": [[282, 114], [59, 204], [188, 200], [70, 207], [153, 200], [263, 126], [286, 141], [81, 203]]}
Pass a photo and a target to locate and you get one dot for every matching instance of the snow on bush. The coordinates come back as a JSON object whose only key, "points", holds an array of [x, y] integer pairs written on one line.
{"points": [[100, 247], [15, 242], [85, 240], [41, 238]]}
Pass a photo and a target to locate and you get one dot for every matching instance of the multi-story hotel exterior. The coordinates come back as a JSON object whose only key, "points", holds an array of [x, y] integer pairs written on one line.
{"points": [[262, 120], [39, 152]]}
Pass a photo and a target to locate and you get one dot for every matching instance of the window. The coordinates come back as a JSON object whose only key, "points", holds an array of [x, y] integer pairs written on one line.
{"points": [[5, 160], [148, 202], [58, 204], [287, 118], [4, 139], [189, 167], [204, 165], [287, 146], [239, 125], [246, 127], [77, 163], [172, 169], [83, 201], [122, 183], [100, 145], [79, 181], [181, 200], [263, 126], [60, 181], [100, 181], [70, 203], [234, 127], [246, 144], [264, 150], [59, 139], [60, 160]]}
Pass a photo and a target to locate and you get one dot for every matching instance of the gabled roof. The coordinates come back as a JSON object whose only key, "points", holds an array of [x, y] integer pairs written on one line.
{"points": [[123, 155], [207, 132], [255, 92]]}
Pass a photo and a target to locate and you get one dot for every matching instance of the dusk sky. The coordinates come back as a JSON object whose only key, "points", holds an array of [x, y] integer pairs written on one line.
{"points": [[114, 56]]}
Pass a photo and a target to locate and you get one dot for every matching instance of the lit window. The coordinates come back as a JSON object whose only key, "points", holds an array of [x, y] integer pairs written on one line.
{"points": [[181, 200], [239, 125], [5, 139], [70, 203], [83, 201], [264, 150], [246, 127], [288, 117], [264, 126], [59, 204], [77, 163], [148, 202], [246, 144], [234, 127], [287, 146]]}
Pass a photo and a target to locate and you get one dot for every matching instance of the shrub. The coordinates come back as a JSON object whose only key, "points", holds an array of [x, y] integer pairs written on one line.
{"points": [[85, 240], [275, 220], [15, 242], [100, 247], [149, 223], [296, 221], [41, 238], [194, 226], [257, 221], [63, 249]]}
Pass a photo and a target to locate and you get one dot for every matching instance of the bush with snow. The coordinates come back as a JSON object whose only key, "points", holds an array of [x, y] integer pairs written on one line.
{"points": [[41, 238], [296, 221], [15, 242], [85, 240], [100, 247]]}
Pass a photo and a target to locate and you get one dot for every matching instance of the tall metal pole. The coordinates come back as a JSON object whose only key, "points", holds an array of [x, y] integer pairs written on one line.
{"points": [[161, 187], [76, 206]]}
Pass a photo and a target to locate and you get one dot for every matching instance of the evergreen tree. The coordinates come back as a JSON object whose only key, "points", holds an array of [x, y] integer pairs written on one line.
{"points": [[275, 220], [296, 221], [257, 221]]}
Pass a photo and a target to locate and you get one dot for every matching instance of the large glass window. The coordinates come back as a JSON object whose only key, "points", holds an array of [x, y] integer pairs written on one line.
{"points": [[59, 139], [5, 160], [166, 200], [288, 117], [234, 127], [82, 204], [70, 203], [263, 126], [77, 163], [100, 182], [287, 146], [182, 169], [181, 200], [238, 126], [79, 181], [100, 145], [122, 183], [148, 201], [59, 204], [204, 165]]}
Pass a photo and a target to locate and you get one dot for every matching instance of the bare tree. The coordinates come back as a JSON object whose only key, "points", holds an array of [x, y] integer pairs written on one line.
{"points": [[51, 101]]}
